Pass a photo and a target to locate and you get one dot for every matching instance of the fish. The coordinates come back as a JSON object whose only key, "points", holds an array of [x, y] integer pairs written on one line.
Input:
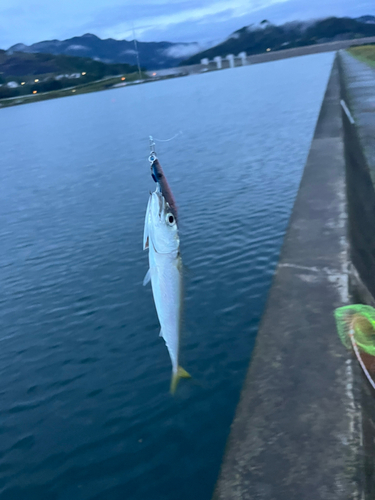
{"points": [[165, 273]]}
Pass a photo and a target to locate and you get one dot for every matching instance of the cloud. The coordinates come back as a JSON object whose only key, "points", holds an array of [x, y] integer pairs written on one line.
{"points": [[215, 28], [129, 52], [297, 10], [78, 47], [183, 50], [30, 21], [149, 18]]}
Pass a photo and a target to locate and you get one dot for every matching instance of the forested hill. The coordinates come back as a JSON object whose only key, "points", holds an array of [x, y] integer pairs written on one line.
{"points": [[19, 65], [255, 39]]}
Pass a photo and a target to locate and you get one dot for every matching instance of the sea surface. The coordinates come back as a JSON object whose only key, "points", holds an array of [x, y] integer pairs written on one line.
{"points": [[85, 408]]}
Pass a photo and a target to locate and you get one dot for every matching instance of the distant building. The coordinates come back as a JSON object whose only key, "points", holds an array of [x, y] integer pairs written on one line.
{"points": [[12, 85], [73, 75]]}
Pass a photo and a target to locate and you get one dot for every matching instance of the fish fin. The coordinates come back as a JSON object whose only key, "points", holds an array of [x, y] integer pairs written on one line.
{"points": [[147, 278], [182, 267], [161, 333], [180, 373]]}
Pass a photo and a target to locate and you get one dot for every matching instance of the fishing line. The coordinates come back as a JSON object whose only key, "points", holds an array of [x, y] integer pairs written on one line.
{"points": [[167, 140], [356, 350], [136, 50], [153, 139], [140, 91], [140, 77]]}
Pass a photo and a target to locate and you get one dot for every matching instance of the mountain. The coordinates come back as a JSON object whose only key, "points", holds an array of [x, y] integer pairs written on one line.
{"points": [[152, 55], [366, 19], [253, 39], [257, 39]]}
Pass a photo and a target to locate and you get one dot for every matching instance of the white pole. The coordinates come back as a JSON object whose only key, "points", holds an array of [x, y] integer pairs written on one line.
{"points": [[218, 62]]}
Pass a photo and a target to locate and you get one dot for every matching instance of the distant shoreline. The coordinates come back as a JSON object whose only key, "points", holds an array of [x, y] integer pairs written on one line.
{"points": [[110, 84], [107, 83], [294, 52]]}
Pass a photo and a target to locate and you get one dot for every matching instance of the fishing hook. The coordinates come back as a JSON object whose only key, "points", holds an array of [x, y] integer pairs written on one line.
{"points": [[152, 156]]}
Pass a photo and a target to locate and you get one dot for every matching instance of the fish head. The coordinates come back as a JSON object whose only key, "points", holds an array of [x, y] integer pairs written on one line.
{"points": [[161, 225]]}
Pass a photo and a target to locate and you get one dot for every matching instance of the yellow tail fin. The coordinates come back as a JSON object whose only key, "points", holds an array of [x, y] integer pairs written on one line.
{"points": [[181, 373]]}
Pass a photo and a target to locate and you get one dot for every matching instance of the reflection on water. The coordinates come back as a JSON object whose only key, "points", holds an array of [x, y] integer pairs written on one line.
{"points": [[85, 410]]}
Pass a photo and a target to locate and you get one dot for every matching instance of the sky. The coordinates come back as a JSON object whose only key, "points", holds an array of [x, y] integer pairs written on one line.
{"points": [[204, 21]]}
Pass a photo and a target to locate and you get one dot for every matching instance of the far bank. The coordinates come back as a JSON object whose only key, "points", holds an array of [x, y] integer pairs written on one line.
{"points": [[195, 69]]}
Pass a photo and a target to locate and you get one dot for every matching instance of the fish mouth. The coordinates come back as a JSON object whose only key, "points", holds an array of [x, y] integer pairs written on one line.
{"points": [[160, 205], [161, 201], [162, 239], [157, 207]]}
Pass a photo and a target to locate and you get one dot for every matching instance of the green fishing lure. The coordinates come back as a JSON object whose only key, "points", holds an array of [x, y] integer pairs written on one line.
{"points": [[359, 321]]}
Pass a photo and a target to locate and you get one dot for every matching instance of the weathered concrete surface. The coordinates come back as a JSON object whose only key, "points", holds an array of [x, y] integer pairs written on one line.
{"points": [[358, 91], [359, 83], [297, 432]]}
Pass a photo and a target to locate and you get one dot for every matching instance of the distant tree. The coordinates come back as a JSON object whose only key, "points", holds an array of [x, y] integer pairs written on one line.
{"points": [[22, 66], [6, 92], [50, 85]]}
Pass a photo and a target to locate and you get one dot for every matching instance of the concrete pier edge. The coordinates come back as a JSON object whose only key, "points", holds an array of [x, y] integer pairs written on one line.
{"points": [[357, 91], [297, 432]]}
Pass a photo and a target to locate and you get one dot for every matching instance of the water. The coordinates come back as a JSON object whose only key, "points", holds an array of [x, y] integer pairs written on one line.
{"points": [[85, 411]]}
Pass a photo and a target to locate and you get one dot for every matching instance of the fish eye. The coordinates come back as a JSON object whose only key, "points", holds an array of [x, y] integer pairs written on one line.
{"points": [[170, 219]]}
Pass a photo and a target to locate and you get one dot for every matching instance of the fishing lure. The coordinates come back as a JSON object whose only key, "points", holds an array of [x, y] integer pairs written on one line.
{"points": [[356, 329]]}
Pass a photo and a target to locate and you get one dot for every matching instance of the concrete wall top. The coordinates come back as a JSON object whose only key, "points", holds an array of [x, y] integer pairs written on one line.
{"points": [[296, 434]]}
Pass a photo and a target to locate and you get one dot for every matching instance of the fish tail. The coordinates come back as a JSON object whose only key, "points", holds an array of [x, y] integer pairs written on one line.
{"points": [[180, 373]]}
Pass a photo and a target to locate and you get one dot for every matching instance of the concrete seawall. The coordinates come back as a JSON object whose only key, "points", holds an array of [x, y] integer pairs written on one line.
{"points": [[298, 429], [358, 116]]}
